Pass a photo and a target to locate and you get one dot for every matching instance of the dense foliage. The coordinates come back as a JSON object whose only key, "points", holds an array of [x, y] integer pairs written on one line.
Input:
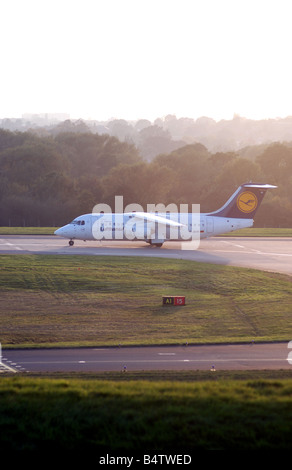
{"points": [[48, 180]]}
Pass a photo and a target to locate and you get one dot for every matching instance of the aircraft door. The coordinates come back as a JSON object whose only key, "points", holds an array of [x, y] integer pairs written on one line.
{"points": [[88, 228], [210, 224]]}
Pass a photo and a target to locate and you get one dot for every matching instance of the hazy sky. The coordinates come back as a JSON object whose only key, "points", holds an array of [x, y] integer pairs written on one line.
{"points": [[135, 59]]}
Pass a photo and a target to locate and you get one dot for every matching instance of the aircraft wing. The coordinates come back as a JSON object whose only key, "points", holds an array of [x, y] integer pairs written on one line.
{"points": [[156, 218]]}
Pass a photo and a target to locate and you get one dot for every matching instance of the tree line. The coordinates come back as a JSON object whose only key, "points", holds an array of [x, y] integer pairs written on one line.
{"points": [[47, 181]]}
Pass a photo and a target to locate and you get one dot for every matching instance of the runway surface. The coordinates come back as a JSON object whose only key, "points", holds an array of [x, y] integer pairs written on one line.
{"points": [[208, 357], [270, 254]]}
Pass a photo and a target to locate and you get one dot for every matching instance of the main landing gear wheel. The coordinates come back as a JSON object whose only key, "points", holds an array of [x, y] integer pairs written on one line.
{"points": [[71, 243]]}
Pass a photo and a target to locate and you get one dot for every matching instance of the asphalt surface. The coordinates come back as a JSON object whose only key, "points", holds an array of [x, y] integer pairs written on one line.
{"points": [[207, 357], [270, 254]]}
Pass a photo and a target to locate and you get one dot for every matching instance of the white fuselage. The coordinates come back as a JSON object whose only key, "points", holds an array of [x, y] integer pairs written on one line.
{"points": [[127, 226]]}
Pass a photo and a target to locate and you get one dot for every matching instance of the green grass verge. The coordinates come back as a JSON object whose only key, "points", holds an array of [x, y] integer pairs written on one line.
{"points": [[89, 301], [260, 232], [144, 417], [249, 232], [27, 230]]}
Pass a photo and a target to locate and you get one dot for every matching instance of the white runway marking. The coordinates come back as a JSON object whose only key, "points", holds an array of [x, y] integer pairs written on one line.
{"points": [[15, 247], [166, 354]]}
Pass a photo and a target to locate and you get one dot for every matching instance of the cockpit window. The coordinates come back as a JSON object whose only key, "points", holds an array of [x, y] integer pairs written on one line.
{"points": [[78, 222]]}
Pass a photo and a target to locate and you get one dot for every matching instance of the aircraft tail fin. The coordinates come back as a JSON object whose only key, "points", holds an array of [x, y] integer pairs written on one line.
{"points": [[244, 203]]}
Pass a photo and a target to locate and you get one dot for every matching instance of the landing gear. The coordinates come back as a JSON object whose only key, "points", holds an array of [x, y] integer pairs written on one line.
{"points": [[158, 243], [71, 243]]}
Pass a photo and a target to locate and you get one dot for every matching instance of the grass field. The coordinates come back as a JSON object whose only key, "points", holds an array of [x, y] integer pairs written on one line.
{"points": [[144, 417], [78, 301], [27, 230], [261, 232]]}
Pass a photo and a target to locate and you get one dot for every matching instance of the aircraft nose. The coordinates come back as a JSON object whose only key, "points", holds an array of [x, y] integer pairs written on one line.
{"points": [[58, 231], [63, 231]]}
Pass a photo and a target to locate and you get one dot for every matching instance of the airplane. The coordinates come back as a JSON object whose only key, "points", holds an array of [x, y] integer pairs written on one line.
{"points": [[156, 228]]}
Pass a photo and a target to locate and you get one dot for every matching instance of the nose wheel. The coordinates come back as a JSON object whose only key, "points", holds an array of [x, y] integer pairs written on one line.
{"points": [[71, 243]]}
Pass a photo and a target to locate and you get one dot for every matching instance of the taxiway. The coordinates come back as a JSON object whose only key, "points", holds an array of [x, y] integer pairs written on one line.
{"points": [[264, 253], [200, 357]]}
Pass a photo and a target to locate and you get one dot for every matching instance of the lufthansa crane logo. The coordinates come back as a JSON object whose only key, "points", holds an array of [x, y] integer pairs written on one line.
{"points": [[247, 202]]}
